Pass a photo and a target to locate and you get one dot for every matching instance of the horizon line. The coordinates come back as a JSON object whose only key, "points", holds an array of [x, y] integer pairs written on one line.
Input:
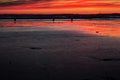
{"points": [[56, 14]]}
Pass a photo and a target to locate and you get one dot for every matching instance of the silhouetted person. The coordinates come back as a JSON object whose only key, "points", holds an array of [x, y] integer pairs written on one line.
{"points": [[53, 20], [71, 19], [14, 20]]}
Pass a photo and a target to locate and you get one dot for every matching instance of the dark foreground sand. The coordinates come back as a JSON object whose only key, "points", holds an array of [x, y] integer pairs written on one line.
{"points": [[58, 55]]}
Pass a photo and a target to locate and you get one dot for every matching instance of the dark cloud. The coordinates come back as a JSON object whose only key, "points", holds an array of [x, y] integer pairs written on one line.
{"points": [[19, 2]]}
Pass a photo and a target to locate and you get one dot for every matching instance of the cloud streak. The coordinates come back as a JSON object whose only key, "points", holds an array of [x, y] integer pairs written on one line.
{"points": [[19, 2], [52, 3], [36, 4], [43, 5]]}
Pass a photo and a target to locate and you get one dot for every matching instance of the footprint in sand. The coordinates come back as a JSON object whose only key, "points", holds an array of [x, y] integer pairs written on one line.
{"points": [[35, 48]]}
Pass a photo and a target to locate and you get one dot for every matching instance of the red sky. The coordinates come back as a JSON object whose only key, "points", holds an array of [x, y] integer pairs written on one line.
{"points": [[59, 6]]}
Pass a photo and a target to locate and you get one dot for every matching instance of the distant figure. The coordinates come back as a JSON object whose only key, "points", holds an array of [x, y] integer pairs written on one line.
{"points": [[14, 20], [71, 19], [53, 20]]}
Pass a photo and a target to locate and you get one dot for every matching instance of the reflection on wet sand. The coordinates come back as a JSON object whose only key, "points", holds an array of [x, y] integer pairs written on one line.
{"points": [[97, 27], [43, 50], [103, 27]]}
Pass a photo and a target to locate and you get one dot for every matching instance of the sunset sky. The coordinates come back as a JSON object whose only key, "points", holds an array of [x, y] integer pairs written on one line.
{"points": [[59, 6]]}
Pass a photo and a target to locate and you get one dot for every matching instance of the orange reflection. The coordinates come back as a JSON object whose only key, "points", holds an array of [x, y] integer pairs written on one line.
{"points": [[102, 27], [97, 27]]}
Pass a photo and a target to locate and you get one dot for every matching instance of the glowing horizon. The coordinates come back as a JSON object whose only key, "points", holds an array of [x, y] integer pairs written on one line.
{"points": [[59, 6]]}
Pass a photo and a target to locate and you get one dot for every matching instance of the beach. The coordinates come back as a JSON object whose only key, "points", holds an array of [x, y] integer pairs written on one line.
{"points": [[60, 50]]}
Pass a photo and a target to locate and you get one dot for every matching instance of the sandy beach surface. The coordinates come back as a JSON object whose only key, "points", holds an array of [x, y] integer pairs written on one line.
{"points": [[48, 52]]}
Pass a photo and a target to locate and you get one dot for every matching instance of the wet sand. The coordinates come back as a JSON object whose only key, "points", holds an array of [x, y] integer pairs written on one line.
{"points": [[58, 55]]}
